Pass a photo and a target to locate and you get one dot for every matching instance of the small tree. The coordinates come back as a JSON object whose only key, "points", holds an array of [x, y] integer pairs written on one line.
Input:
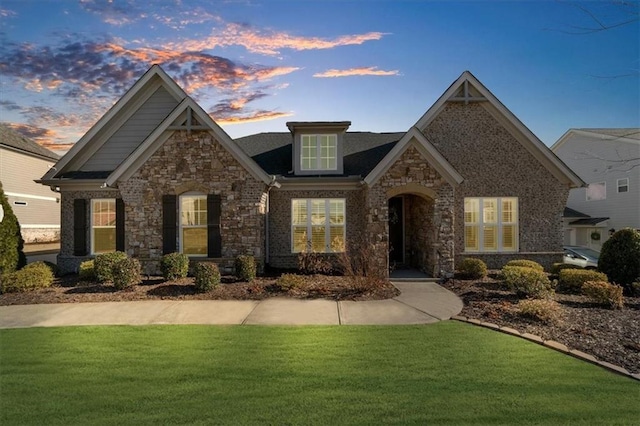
{"points": [[11, 243], [620, 258]]}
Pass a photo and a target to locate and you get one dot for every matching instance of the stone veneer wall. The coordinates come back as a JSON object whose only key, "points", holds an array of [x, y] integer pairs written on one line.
{"points": [[418, 231], [412, 169], [494, 164], [280, 255]]}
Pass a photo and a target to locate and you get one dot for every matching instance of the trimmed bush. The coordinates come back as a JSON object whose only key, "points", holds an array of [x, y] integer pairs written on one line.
{"points": [[571, 280], [174, 266], [12, 255], [545, 310], [288, 282], [207, 276], [604, 293], [245, 267], [54, 268], [125, 273], [104, 263], [527, 281], [620, 258], [86, 271], [526, 264], [557, 267], [473, 269], [32, 277]]}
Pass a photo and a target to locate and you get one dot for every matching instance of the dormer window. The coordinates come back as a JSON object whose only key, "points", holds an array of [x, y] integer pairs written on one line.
{"points": [[317, 147], [319, 152]]}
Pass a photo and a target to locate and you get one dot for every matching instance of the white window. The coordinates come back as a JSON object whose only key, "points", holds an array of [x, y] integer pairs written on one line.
{"points": [[597, 191], [193, 224], [103, 225], [318, 225], [491, 224], [319, 152], [623, 185]]}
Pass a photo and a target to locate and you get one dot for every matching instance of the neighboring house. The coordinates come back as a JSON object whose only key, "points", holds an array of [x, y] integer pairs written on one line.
{"points": [[608, 160], [156, 175], [36, 207]]}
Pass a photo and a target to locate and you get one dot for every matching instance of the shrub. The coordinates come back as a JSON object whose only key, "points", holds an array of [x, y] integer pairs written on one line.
{"points": [[527, 282], [12, 255], [571, 280], [545, 310], [526, 264], [288, 282], [32, 277], [174, 266], [557, 267], [245, 267], [87, 271], [54, 268], [472, 269], [207, 276], [310, 262], [104, 263], [620, 258], [125, 273], [604, 293]]}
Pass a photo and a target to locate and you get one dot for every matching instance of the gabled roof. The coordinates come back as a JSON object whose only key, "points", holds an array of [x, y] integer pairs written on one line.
{"points": [[15, 141], [414, 137], [467, 88], [627, 135], [591, 221], [569, 212]]}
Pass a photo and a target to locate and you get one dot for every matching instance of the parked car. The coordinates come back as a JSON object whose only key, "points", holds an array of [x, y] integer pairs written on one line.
{"points": [[581, 256]]}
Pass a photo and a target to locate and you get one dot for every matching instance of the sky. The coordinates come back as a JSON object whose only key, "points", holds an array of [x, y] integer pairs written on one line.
{"points": [[253, 65]]}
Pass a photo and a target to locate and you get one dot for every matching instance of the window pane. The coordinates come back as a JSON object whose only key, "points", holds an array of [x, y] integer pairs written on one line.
{"points": [[104, 240], [489, 210], [309, 152], [194, 241], [318, 239], [471, 210], [336, 235], [490, 238], [471, 242], [299, 239], [299, 212], [509, 237], [318, 213], [508, 210], [336, 209]]}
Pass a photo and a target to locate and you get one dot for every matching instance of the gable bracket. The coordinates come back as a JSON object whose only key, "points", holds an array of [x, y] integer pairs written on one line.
{"points": [[467, 96]]}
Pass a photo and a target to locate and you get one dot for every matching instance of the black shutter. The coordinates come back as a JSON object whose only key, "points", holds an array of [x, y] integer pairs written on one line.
{"points": [[79, 227], [168, 224], [119, 224], [214, 240]]}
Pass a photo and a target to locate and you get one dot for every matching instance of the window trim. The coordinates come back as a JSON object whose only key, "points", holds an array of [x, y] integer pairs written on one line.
{"points": [[626, 185], [92, 226], [181, 226], [498, 223], [327, 225], [586, 193], [318, 157]]}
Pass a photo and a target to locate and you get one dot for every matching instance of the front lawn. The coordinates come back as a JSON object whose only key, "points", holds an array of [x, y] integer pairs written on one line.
{"points": [[443, 373]]}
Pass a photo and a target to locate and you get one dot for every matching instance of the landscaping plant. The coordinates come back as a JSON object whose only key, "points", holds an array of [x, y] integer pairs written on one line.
{"points": [[571, 280], [620, 258], [245, 268], [557, 267], [104, 263], [527, 281], [544, 310], [525, 263], [174, 266], [87, 271], [604, 293], [207, 276], [11, 243], [288, 282], [125, 273], [33, 276], [472, 269]]}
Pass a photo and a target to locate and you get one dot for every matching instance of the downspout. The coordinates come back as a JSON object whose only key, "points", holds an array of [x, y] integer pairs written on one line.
{"points": [[272, 184]]}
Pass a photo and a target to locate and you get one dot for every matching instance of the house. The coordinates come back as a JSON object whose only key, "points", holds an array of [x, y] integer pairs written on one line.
{"points": [[608, 160], [156, 175], [36, 207]]}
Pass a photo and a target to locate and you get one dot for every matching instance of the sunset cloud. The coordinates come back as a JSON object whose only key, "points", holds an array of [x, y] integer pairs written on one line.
{"points": [[114, 12], [356, 71], [234, 110], [262, 115], [45, 137]]}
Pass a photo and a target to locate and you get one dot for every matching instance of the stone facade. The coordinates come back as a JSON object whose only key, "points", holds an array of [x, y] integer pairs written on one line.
{"points": [[495, 164]]}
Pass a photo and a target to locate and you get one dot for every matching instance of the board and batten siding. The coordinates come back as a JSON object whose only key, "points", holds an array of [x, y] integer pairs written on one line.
{"points": [[132, 133], [36, 206], [585, 156]]}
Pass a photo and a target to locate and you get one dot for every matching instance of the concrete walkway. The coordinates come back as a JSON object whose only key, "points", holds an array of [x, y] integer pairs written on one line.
{"points": [[419, 303]]}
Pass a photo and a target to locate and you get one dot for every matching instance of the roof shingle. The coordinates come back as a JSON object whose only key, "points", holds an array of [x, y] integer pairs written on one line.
{"points": [[13, 139]]}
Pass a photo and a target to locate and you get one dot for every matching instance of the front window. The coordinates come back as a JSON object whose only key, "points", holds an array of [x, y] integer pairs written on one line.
{"points": [[318, 225], [597, 191], [193, 224], [103, 225], [623, 185], [319, 152], [491, 224]]}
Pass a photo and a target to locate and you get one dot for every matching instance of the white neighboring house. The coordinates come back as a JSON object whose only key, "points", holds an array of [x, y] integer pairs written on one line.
{"points": [[36, 207], [608, 160]]}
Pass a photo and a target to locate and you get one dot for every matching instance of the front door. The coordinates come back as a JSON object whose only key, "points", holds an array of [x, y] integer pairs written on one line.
{"points": [[396, 231]]}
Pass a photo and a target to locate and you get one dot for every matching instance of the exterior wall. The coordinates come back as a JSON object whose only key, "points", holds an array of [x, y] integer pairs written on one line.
{"points": [[494, 164], [280, 255], [418, 230], [437, 241], [36, 206], [586, 156]]}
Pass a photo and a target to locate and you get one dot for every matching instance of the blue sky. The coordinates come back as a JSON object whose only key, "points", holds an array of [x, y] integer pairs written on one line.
{"points": [[253, 65]]}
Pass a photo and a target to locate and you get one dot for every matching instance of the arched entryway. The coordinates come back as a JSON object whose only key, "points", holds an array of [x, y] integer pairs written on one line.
{"points": [[411, 228]]}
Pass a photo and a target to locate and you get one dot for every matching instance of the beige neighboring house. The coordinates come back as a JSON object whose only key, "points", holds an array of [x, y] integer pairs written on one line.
{"points": [[608, 160], [157, 175], [37, 207]]}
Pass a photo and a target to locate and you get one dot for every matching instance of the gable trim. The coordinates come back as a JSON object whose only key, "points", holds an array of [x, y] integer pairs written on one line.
{"points": [[513, 125], [414, 137], [591, 134]]}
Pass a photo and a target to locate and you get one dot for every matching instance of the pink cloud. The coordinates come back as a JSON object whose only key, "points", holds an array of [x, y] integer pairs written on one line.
{"points": [[356, 71]]}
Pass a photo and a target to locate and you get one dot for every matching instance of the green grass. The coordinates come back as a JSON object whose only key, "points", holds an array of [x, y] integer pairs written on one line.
{"points": [[444, 373]]}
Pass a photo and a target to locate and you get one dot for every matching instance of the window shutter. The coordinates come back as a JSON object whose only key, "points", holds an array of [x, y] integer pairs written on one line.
{"points": [[119, 224], [168, 224], [214, 239], [79, 227]]}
